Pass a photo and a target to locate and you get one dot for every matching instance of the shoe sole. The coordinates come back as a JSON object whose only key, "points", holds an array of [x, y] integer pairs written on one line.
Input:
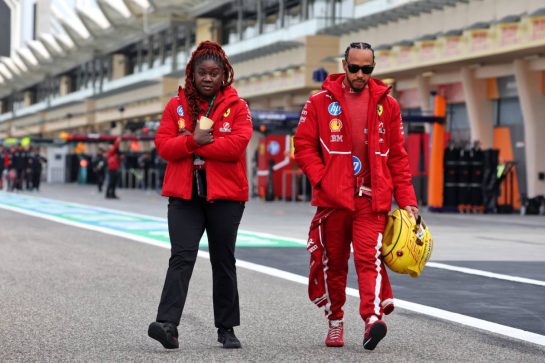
{"points": [[335, 345], [157, 333], [378, 331]]}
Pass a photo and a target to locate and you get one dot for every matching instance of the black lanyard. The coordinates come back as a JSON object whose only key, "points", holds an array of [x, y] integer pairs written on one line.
{"points": [[210, 106], [195, 156]]}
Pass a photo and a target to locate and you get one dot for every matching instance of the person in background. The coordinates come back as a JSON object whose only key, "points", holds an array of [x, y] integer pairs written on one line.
{"points": [[350, 144], [36, 165], [144, 164], [207, 187], [99, 167], [2, 166], [114, 163], [18, 160], [11, 174]]}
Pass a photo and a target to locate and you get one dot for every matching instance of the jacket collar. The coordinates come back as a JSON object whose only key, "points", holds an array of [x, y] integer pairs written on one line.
{"points": [[333, 84], [225, 97]]}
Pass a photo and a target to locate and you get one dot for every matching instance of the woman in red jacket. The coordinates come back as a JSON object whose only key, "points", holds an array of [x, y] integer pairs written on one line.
{"points": [[207, 187]]}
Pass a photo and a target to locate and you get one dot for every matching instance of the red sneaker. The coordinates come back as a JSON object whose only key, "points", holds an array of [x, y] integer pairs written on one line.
{"points": [[387, 306], [375, 330], [335, 335]]}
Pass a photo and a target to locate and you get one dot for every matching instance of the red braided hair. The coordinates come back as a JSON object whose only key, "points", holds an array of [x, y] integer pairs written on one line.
{"points": [[207, 50]]}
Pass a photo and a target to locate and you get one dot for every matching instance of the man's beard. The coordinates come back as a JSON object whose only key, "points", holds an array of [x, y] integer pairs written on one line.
{"points": [[358, 89]]}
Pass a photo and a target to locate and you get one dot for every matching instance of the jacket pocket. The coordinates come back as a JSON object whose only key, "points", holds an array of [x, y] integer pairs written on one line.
{"points": [[335, 185]]}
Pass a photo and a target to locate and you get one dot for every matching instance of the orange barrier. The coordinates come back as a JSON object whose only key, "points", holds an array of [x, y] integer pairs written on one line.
{"points": [[435, 181], [502, 142]]}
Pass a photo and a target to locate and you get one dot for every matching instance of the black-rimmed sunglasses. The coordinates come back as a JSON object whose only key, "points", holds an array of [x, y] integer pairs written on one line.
{"points": [[354, 68]]}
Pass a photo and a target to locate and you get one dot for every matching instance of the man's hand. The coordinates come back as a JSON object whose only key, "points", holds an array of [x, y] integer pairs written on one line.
{"points": [[202, 137], [413, 211], [184, 132]]}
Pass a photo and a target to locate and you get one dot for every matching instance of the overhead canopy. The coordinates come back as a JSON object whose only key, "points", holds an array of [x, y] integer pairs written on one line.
{"points": [[80, 32]]}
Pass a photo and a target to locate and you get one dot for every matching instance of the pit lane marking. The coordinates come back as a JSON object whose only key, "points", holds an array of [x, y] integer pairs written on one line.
{"points": [[418, 308]]}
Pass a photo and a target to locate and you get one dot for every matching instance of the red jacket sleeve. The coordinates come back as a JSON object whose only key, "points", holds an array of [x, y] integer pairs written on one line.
{"points": [[171, 146], [307, 145], [232, 146], [398, 160], [113, 149]]}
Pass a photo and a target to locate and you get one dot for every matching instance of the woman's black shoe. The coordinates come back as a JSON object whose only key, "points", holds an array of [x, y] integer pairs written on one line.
{"points": [[228, 339], [164, 333]]}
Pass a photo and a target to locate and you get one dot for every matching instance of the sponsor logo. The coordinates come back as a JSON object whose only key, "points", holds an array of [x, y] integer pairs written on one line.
{"points": [[273, 148], [381, 130], [334, 109], [304, 113], [311, 246], [336, 138], [335, 125], [180, 110], [357, 164], [381, 141], [380, 109], [181, 124], [226, 127], [226, 113]]}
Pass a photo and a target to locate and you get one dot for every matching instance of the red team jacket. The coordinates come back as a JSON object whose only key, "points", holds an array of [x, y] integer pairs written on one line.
{"points": [[114, 160], [225, 158], [323, 148]]}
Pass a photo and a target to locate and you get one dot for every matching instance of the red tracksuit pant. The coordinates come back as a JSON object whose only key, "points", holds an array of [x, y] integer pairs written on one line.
{"points": [[364, 229]]}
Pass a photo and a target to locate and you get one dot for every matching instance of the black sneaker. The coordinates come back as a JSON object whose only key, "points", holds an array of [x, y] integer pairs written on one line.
{"points": [[228, 339], [164, 333]]}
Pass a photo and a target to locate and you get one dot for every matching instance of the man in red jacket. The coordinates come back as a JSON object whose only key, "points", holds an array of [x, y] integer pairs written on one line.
{"points": [[114, 163], [350, 144]]}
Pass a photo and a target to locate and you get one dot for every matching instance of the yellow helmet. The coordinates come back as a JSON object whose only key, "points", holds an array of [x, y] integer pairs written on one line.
{"points": [[407, 243]]}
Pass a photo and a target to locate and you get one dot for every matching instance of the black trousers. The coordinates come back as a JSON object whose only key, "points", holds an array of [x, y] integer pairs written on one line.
{"points": [[187, 221], [36, 178], [100, 180], [113, 179]]}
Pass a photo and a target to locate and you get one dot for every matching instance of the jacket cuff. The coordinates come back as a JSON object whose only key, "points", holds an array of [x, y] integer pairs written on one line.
{"points": [[405, 199], [191, 144]]}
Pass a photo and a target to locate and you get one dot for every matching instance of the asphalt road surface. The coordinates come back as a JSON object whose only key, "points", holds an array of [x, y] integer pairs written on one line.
{"points": [[75, 285]]}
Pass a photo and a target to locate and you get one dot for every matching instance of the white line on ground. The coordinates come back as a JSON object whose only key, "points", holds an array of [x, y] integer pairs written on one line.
{"points": [[418, 308], [493, 275], [431, 264]]}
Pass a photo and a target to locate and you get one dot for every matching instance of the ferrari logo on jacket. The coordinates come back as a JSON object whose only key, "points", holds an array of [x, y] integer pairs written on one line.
{"points": [[380, 109], [335, 125], [181, 124], [226, 113]]}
